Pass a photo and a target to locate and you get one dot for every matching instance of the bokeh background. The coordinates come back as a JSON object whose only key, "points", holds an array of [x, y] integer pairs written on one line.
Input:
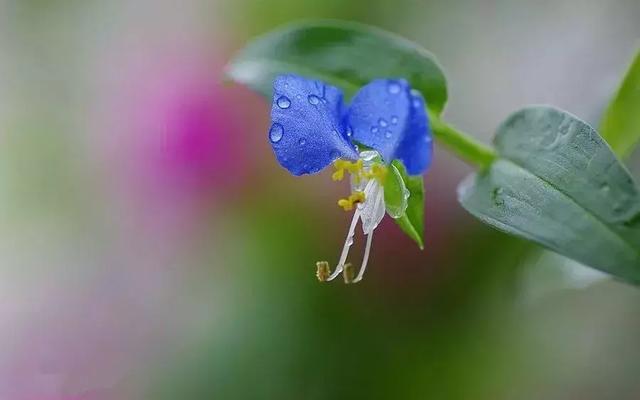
{"points": [[152, 248]]}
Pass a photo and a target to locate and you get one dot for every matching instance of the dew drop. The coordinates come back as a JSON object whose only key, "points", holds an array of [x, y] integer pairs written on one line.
{"points": [[302, 142], [283, 102], [394, 120], [416, 103], [374, 129], [387, 134], [276, 132], [394, 87], [334, 154], [382, 122], [313, 99], [497, 196]]}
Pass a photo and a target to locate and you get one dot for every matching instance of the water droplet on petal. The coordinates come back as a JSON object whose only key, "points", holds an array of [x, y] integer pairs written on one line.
{"points": [[416, 103], [382, 122], [388, 134], [334, 154], [313, 99], [276, 132], [394, 87], [394, 120], [302, 142], [283, 102], [374, 129]]}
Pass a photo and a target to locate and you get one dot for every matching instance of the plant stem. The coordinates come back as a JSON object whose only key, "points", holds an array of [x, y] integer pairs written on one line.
{"points": [[462, 144]]}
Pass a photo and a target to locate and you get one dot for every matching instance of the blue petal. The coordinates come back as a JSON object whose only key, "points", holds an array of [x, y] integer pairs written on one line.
{"points": [[307, 132], [389, 117]]}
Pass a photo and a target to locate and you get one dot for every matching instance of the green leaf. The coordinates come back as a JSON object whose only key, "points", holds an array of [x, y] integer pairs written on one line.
{"points": [[621, 122], [557, 182], [412, 220], [345, 54]]}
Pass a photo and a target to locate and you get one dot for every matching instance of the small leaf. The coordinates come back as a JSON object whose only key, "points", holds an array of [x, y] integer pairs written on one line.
{"points": [[557, 183], [412, 221], [621, 122], [345, 54]]}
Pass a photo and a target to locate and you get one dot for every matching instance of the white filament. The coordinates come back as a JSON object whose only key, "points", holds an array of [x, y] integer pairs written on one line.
{"points": [[347, 245], [367, 250]]}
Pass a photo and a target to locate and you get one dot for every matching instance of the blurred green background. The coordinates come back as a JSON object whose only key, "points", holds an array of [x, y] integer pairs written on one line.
{"points": [[152, 248]]}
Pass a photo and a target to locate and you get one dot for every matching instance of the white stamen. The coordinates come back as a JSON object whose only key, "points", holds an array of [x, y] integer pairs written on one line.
{"points": [[347, 244], [363, 267]]}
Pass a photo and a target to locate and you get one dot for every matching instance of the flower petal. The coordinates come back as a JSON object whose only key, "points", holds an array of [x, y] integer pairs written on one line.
{"points": [[416, 148], [373, 209], [307, 132], [389, 117]]}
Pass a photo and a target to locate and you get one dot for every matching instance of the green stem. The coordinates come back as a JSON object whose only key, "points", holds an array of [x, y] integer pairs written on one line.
{"points": [[462, 144]]}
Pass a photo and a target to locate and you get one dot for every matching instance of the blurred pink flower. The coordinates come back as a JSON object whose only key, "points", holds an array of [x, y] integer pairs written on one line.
{"points": [[172, 124]]}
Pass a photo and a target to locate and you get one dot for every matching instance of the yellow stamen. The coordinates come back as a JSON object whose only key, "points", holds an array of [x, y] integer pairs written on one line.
{"points": [[345, 204], [354, 168], [323, 271], [378, 172], [348, 273], [348, 203]]}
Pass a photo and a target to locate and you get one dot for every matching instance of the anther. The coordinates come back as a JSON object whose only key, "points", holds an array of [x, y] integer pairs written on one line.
{"points": [[323, 271], [348, 273], [354, 198]]}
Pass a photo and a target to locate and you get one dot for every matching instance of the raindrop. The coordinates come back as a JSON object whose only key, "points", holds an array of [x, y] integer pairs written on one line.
{"points": [[313, 99], [382, 122], [276, 132], [302, 142], [394, 120], [374, 129], [497, 196], [394, 87], [283, 102], [387, 134]]}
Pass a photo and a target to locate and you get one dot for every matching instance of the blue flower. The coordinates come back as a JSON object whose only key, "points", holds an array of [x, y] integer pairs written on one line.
{"points": [[312, 127]]}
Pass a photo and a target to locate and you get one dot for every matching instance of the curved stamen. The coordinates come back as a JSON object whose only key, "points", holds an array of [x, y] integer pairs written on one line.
{"points": [[365, 259], [347, 244]]}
